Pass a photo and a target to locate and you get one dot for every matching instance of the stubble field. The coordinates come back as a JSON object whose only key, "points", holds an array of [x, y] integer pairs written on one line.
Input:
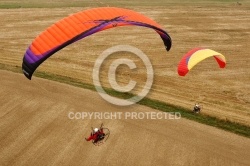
{"points": [[221, 27], [34, 125]]}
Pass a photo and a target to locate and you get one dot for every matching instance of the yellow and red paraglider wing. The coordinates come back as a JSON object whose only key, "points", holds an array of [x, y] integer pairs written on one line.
{"points": [[197, 55], [80, 25]]}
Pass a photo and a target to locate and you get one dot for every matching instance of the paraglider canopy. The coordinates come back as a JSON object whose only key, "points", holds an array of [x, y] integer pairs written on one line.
{"points": [[80, 25], [195, 56]]}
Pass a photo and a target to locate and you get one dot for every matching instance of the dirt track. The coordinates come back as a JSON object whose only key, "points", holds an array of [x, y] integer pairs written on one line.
{"points": [[35, 130]]}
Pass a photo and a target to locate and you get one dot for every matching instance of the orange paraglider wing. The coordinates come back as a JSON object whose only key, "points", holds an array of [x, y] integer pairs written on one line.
{"points": [[80, 25]]}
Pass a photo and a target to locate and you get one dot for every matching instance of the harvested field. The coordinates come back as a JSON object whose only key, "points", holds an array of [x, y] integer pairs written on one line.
{"points": [[224, 28], [35, 128]]}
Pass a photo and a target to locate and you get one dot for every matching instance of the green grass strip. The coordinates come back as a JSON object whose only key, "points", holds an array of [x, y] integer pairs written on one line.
{"points": [[227, 125]]}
